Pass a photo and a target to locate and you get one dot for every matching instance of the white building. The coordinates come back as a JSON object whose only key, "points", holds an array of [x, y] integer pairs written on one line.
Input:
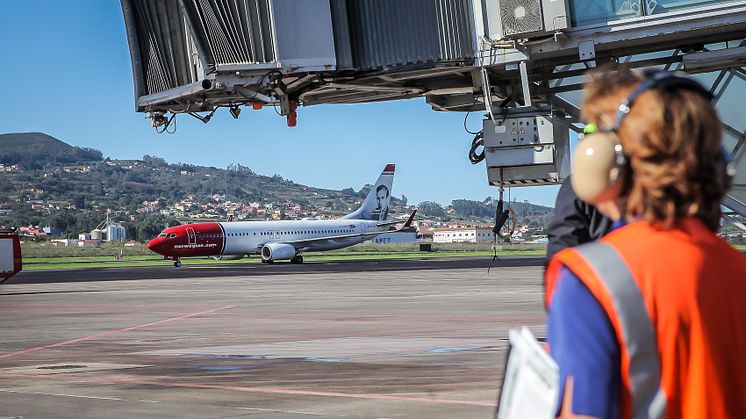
{"points": [[463, 235], [542, 239], [65, 242], [392, 238]]}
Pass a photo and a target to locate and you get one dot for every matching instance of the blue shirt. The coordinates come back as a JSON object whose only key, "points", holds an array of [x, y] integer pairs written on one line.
{"points": [[583, 342]]}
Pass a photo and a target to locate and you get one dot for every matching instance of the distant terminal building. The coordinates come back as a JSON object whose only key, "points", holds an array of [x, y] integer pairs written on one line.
{"points": [[539, 238], [463, 235], [425, 234], [398, 237], [65, 242]]}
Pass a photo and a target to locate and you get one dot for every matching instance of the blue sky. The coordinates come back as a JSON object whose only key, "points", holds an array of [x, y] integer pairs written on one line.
{"points": [[65, 71]]}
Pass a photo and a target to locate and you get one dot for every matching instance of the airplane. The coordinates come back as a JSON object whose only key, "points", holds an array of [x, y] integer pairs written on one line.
{"points": [[282, 240]]}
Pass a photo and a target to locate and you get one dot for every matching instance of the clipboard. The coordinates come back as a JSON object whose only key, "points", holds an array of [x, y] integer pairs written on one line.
{"points": [[530, 385]]}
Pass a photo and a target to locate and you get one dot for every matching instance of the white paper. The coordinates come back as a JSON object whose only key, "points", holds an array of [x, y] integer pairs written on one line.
{"points": [[531, 385]]}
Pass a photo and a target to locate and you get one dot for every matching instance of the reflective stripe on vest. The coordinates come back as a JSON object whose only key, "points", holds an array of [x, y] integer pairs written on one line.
{"points": [[648, 398]]}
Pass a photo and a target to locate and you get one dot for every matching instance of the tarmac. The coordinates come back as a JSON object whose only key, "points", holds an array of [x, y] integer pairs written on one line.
{"points": [[386, 338]]}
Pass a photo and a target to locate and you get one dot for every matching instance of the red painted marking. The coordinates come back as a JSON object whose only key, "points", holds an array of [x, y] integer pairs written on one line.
{"points": [[266, 390], [389, 168], [111, 332]]}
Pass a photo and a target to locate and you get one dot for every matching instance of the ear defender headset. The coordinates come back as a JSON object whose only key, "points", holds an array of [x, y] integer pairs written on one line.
{"points": [[600, 166]]}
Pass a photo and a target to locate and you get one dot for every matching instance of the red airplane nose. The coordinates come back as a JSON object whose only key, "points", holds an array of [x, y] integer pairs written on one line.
{"points": [[155, 244]]}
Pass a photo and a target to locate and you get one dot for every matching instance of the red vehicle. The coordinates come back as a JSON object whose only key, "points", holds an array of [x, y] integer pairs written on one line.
{"points": [[10, 254]]}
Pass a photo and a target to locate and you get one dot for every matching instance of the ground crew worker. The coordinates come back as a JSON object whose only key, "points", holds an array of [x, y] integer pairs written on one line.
{"points": [[650, 320], [574, 222]]}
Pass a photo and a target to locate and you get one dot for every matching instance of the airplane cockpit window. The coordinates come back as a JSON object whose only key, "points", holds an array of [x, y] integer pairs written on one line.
{"points": [[172, 235], [162, 235]]}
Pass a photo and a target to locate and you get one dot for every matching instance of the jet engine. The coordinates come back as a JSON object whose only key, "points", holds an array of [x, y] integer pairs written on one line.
{"points": [[228, 257], [277, 251]]}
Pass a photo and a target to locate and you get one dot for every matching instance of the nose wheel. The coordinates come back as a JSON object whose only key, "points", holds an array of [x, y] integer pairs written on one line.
{"points": [[177, 263]]}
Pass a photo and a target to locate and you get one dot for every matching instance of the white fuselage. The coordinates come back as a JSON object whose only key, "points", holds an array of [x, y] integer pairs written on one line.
{"points": [[247, 237]]}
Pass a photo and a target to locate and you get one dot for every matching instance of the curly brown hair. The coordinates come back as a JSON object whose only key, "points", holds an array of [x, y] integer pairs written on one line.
{"points": [[672, 139]]}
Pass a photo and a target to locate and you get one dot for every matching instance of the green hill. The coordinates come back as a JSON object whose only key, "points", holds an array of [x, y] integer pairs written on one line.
{"points": [[72, 189], [34, 150]]}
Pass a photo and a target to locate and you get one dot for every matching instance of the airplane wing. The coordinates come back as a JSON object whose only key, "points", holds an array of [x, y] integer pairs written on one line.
{"points": [[371, 234], [318, 240]]}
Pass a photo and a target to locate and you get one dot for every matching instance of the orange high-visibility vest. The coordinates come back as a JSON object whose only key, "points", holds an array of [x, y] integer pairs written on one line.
{"points": [[677, 301]]}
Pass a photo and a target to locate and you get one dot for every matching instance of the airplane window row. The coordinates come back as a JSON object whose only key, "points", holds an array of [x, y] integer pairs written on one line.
{"points": [[269, 233]]}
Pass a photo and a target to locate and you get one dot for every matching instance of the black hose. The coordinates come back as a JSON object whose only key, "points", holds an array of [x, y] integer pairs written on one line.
{"points": [[477, 142]]}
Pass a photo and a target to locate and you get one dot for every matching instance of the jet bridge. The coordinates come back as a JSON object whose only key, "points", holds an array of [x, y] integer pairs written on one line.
{"points": [[520, 62]]}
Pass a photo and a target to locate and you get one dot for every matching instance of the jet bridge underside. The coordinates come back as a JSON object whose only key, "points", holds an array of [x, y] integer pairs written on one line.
{"points": [[195, 56], [189, 56]]}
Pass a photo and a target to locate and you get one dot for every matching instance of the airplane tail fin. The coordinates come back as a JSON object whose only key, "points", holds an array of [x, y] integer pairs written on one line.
{"points": [[376, 204]]}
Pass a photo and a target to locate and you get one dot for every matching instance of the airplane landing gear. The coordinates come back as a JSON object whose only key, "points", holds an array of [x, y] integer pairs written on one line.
{"points": [[177, 263], [297, 259]]}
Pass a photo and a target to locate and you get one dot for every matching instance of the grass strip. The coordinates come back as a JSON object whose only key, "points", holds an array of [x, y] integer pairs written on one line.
{"points": [[139, 261]]}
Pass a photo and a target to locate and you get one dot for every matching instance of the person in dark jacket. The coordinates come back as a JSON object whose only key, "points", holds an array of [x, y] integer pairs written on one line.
{"points": [[574, 222]]}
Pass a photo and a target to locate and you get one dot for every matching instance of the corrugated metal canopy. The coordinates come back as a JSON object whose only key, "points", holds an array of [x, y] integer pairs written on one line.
{"points": [[158, 40]]}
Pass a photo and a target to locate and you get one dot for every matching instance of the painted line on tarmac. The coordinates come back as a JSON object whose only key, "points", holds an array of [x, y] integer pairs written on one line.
{"points": [[399, 384], [265, 390], [78, 396], [112, 332], [322, 380], [285, 376]]}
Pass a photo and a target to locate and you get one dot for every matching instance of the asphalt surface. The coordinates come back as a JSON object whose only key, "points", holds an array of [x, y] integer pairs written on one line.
{"points": [[192, 269], [387, 338]]}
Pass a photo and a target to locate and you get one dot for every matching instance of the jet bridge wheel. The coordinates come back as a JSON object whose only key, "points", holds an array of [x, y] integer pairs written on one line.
{"points": [[297, 259], [177, 263]]}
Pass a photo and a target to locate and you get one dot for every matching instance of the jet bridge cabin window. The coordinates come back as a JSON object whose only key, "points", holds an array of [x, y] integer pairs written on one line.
{"points": [[594, 12]]}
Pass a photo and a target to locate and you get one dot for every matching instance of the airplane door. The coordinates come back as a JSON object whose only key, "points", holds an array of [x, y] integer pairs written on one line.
{"points": [[191, 236]]}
